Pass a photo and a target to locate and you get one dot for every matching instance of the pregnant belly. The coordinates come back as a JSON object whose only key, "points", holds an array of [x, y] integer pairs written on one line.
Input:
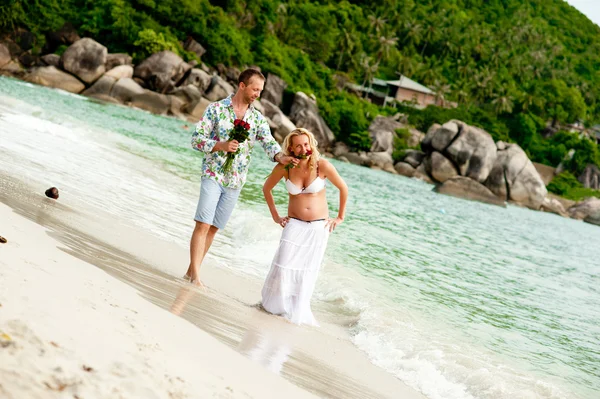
{"points": [[308, 206]]}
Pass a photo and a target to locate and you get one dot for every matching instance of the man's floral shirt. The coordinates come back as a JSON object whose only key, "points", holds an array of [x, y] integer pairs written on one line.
{"points": [[215, 125]]}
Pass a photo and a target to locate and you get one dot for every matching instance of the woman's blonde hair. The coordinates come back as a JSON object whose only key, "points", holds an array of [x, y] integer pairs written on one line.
{"points": [[287, 143]]}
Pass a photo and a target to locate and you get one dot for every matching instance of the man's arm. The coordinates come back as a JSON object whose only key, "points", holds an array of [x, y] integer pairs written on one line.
{"points": [[201, 139], [271, 147]]}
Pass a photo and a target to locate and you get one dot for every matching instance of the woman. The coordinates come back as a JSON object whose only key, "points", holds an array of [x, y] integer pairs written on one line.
{"points": [[291, 280]]}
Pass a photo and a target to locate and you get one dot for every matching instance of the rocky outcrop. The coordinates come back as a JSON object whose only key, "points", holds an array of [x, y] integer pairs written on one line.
{"points": [[120, 72], [590, 177], [52, 77], [274, 89], [405, 169], [65, 36], [282, 124], [553, 205], [196, 109], [51, 60], [86, 59], [125, 89], [153, 102], [4, 55], [439, 167], [584, 209], [438, 138], [305, 113], [383, 132], [115, 59], [593, 219], [102, 87], [413, 157], [218, 89], [192, 45], [199, 78], [473, 151], [513, 177], [161, 71], [464, 187]]}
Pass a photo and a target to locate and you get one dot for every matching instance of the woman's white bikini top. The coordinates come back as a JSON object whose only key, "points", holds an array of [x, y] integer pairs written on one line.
{"points": [[315, 186]]}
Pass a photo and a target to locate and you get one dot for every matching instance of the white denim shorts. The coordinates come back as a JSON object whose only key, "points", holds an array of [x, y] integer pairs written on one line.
{"points": [[216, 203]]}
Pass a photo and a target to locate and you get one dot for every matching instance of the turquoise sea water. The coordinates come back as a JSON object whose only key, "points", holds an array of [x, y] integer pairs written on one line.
{"points": [[458, 299]]}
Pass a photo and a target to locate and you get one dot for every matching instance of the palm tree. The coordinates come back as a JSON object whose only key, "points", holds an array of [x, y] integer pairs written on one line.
{"points": [[502, 102], [369, 69], [377, 23], [385, 44], [413, 34], [347, 46]]}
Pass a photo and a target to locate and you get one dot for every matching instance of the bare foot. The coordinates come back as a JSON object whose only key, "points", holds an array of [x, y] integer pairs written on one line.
{"points": [[196, 281]]}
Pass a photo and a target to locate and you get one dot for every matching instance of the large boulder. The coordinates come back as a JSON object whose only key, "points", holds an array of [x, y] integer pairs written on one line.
{"points": [[191, 45], [405, 169], [590, 177], [283, 124], [66, 35], [151, 101], [357, 158], [439, 167], [52, 77], [593, 219], [553, 205], [197, 77], [86, 59], [464, 187], [120, 72], [197, 108], [274, 88], [381, 159], [4, 55], [586, 208], [305, 113], [102, 87], [513, 177], [162, 71], [116, 59], [125, 89], [188, 94], [382, 131], [413, 157], [473, 151], [340, 148], [218, 89], [51, 60], [438, 138]]}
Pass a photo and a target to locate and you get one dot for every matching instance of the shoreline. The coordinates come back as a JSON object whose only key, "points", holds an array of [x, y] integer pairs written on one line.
{"points": [[48, 238]]}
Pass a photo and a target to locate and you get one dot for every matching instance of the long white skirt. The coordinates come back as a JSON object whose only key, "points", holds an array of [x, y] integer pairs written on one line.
{"points": [[291, 280]]}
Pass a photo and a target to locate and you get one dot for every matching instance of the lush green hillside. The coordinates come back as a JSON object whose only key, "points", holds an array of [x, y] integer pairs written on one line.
{"points": [[513, 65]]}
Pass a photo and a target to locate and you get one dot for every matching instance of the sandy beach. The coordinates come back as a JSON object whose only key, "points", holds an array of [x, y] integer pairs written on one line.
{"points": [[86, 312]]}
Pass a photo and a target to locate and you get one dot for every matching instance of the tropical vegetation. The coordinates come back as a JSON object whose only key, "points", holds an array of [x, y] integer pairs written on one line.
{"points": [[513, 66]]}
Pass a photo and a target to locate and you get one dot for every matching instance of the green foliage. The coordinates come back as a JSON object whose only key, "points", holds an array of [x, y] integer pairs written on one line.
{"points": [[511, 65], [566, 185], [150, 42], [400, 144]]}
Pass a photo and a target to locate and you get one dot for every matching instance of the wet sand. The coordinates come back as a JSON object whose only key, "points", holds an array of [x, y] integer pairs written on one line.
{"points": [[320, 361]]}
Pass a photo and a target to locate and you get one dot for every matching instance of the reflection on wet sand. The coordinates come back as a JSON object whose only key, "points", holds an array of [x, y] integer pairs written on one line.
{"points": [[305, 356]]}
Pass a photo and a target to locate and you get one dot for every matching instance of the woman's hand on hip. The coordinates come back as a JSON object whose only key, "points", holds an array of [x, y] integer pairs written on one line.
{"points": [[333, 223], [282, 221]]}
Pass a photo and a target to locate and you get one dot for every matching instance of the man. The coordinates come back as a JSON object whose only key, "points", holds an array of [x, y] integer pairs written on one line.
{"points": [[220, 190]]}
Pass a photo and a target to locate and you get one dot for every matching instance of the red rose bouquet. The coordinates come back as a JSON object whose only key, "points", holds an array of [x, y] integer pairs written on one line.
{"points": [[301, 156], [240, 133]]}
